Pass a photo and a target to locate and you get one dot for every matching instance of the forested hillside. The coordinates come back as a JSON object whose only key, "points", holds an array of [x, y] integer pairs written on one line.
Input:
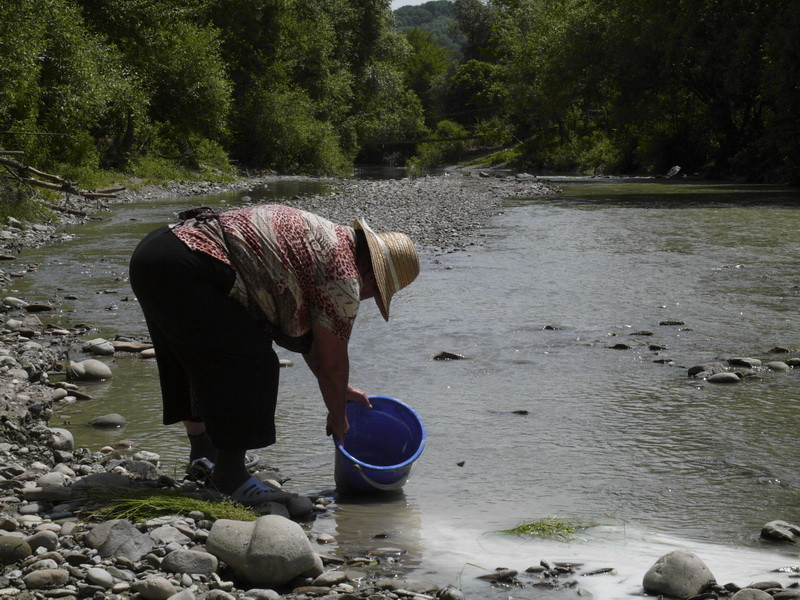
{"points": [[312, 86], [435, 17]]}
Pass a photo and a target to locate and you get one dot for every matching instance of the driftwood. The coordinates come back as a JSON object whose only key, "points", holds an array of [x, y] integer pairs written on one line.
{"points": [[31, 176]]}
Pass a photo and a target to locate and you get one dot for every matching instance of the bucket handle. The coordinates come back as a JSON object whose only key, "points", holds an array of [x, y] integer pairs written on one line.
{"points": [[382, 486]]}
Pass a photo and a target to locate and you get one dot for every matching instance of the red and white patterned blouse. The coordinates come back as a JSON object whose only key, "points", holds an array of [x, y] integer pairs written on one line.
{"points": [[293, 267]]}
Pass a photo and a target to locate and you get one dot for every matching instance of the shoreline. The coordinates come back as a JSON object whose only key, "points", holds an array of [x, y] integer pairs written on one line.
{"points": [[44, 480]]}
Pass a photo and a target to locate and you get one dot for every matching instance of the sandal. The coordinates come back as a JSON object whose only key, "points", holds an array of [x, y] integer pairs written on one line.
{"points": [[254, 492]]}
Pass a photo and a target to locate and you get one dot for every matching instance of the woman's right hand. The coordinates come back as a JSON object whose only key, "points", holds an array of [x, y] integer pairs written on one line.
{"points": [[337, 427]]}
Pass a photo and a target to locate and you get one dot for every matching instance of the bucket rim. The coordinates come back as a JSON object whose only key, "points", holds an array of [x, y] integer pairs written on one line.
{"points": [[405, 463]]}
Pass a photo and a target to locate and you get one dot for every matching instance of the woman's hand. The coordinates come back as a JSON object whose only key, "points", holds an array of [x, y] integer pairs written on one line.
{"points": [[356, 395], [337, 428]]}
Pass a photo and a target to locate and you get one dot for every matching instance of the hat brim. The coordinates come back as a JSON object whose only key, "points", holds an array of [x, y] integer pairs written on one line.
{"points": [[380, 267]]}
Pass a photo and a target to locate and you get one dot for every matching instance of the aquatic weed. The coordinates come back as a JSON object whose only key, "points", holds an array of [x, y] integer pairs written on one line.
{"points": [[549, 527], [145, 505]]}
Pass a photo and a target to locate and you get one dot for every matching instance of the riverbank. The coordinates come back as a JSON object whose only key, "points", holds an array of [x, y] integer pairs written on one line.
{"points": [[392, 561], [46, 544]]}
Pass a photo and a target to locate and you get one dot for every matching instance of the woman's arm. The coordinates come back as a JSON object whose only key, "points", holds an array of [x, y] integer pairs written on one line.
{"points": [[329, 361]]}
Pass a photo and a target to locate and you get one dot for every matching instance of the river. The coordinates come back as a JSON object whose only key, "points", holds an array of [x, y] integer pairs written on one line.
{"points": [[543, 418]]}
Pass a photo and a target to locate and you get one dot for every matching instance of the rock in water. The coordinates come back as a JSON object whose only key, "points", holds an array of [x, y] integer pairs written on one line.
{"points": [[679, 574], [781, 531]]}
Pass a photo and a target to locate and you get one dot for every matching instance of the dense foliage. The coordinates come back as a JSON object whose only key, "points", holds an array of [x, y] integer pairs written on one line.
{"points": [[315, 85], [632, 85], [290, 85], [436, 18]]}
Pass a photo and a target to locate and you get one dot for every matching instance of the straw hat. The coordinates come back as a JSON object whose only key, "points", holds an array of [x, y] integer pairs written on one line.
{"points": [[395, 263]]}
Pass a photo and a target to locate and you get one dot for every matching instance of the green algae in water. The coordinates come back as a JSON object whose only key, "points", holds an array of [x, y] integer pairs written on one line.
{"points": [[148, 505], [549, 528]]}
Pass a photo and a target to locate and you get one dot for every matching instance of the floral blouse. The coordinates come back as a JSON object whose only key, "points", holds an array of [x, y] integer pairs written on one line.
{"points": [[293, 268]]}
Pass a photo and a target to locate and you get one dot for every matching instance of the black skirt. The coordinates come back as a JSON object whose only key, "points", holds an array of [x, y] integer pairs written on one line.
{"points": [[215, 364]]}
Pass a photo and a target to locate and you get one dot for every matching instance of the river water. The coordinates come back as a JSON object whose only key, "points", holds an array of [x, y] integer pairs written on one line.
{"points": [[620, 439]]}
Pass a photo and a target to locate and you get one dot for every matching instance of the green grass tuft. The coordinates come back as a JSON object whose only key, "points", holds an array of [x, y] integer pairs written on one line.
{"points": [[142, 506], [549, 528]]}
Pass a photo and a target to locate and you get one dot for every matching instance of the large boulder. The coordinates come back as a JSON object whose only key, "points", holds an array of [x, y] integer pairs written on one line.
{"points": [[679, 574], [268, 552]]}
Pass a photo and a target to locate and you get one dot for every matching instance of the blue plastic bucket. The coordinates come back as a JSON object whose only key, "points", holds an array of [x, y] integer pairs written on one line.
{"points": [[380, 448]]}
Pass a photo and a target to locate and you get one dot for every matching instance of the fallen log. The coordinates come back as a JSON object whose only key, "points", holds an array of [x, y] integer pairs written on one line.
{"points": [[28, 175]]}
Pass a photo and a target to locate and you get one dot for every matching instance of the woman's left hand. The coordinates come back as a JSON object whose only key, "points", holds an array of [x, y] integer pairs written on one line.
{"points": [[356, 395]]}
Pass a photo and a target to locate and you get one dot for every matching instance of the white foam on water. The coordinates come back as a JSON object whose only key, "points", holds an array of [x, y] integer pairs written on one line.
{"points": [[458, 555]]}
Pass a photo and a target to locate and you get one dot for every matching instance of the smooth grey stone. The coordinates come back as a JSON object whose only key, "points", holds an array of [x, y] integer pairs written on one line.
{"points": [[51, 479], [119, 537], [743, 361], [46, 578], [150, 457], [14, 302], [142, 468], [710, 368], [103, 480], [678, 573], [99, 347], [44, 563], [778, 365], [751, 594], [330, 578], [13, 549], [100, 577], [154, 588], [43, 539], [793, 362], [166, 534], [90, 369], [29, 509], [108, 421], [723, 378], [409, 585], [300, 506], [190, 561], [263, 594], [451, 593], [781, 531], [268, 552], [62, 438]]}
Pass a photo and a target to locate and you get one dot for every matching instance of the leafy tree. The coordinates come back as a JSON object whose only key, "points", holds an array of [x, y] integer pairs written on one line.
{"points": [[65, 80], [427, 64], [176, 56]]}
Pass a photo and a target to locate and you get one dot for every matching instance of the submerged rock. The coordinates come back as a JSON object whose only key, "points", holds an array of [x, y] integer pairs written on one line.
{"points": [[108, 421], [706, 369], [724, 378], [777, 365], [449, 356], [90, 369], [742, 361], [781, 531]]}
